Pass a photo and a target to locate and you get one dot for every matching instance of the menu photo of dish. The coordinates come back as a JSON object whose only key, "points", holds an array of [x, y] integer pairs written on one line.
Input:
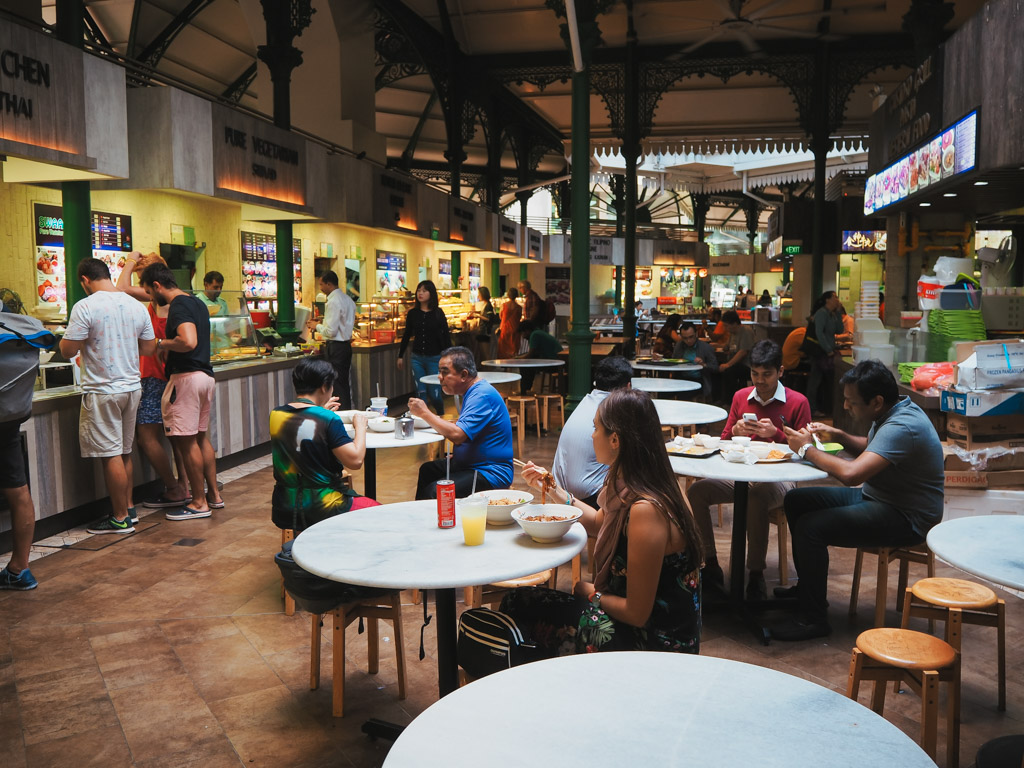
{"points": [[904, 178], [923, 179], [869, 195], [935, 159], [948, 153], [50, 286]]}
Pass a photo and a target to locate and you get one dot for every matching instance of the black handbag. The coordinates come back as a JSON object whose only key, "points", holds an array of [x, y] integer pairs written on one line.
{"points": [[490, 641], [810, 345]]}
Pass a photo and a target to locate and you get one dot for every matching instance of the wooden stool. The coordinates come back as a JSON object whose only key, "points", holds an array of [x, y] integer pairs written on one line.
{"points": [[778, 517], [388, 607], [918, 553], [520, 432], [522, 404], [668, 433], [922, 662], [491, 594], [958, 602], [287, 534], [545, 402]]}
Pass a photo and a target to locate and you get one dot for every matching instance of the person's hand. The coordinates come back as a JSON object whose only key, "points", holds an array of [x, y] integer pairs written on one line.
{"points": [[797, 439], [161, 355], [583, 589], [418, 408], [699, 361], [763, 428], [332, 404], [401, 363], [359, 421], [826, 431], [724, 367], [534, 475]]}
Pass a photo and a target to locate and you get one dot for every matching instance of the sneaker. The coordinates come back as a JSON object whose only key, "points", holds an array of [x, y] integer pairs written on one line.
{"points": [[801, 628], [111, 524], [187, 513], [22, 582], [756, 587], [133, 515], [161, 502]]}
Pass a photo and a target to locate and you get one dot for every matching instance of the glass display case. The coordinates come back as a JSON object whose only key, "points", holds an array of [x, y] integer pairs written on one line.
{"points": [[455, 309], [382, 319], [232, 333]]}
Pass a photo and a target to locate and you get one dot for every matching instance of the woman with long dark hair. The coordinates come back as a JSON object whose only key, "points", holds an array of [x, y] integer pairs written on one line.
{"points": [[484, 310], [668, 336], [646, 595], [511, 315], [428, 325]]}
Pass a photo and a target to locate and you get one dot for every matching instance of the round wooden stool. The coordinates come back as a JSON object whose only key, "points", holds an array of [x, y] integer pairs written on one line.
{"points": [[491, 594], [922, 662], [958, 602], [546, 400], [522, 405]]}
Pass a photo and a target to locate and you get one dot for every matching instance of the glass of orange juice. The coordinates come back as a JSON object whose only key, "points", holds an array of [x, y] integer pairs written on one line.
{"points": [[473, 513]]}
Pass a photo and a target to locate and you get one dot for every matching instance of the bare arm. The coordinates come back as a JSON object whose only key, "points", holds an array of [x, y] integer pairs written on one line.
{"points": [[146, 347], [352, 454], [591, 519], [70, 348], [443, 427], [848, 472], [185, 341]]}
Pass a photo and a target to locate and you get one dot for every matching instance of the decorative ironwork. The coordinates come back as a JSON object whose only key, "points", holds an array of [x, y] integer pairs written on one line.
{"points": [[234, 92]]}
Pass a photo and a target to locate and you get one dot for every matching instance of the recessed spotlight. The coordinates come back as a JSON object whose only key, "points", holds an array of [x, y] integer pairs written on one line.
{"points": [[981, 183], [950, 194], [924, 205]]}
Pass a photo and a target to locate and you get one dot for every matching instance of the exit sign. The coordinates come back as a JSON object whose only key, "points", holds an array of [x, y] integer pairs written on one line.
{"points": [[791, 250]]}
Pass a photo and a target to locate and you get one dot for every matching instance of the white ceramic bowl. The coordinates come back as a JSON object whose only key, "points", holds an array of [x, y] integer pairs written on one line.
{"points": [[550, 531], [382, 424], [741, 441], [501, 514], [761, 450], [712, 442], [419, 423], [346, 416]]}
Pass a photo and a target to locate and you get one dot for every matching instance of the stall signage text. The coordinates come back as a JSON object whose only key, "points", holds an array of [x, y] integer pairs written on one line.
{"points": [[600, 250], [534, 244], [857, 241], [268, 149], [912, 109], [395, 202], [508, 237], [18, 66]]}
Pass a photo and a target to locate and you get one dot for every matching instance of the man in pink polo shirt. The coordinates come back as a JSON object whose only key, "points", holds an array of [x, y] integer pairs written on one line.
{"points": [[774, 406]]}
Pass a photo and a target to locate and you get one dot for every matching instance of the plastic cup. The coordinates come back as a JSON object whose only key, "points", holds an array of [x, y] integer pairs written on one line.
{"points": [[473, 513]]}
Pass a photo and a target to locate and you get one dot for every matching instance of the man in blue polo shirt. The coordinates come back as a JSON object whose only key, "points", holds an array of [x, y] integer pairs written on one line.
{"points": [[482, 436]]}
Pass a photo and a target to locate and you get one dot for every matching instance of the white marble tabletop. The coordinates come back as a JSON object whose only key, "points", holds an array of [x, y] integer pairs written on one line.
{"points": [[676, 368], [717, 468], [523, 362], [990, 546], [676, 412], [662, 709], [378, 440], [399, 546], [493, 377], [665, 385]]}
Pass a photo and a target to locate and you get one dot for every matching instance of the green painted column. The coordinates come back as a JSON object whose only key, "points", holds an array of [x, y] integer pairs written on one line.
{"points": [[285, 278], [495, 277], [524, 272], [579, 335], [456, 268], [618, 288], [76, 205]]}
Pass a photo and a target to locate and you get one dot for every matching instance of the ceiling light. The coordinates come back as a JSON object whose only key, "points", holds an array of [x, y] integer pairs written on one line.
{"points": [[950, 194], [981, 183], [924, 205]]}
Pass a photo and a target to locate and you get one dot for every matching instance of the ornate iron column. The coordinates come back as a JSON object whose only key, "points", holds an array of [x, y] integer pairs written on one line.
{"points": [[285, 21], [631, 151]]}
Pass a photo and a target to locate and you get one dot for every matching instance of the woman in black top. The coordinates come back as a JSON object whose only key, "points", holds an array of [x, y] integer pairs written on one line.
{"points": [[429, 327]]}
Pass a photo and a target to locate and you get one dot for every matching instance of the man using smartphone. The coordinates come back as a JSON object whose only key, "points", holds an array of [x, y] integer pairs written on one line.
{"points": [[758, 412]]}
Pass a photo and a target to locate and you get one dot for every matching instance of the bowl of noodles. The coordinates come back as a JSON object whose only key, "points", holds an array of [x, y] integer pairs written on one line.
{"points": [[546, 523], [500, 504]]}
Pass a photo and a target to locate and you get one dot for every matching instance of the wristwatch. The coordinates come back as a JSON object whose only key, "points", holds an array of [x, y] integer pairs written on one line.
{"points": [[595, 599], [803, 449]]}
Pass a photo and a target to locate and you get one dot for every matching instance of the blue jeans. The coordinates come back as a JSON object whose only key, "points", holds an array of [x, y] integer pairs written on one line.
{"points": [[425, 365], [838, 517]]}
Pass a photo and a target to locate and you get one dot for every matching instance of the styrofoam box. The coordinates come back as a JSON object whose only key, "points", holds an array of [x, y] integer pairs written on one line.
{"points": [[963, 502]]}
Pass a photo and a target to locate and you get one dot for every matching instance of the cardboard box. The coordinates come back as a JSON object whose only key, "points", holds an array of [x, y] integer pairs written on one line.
{"points": [[989, 402], [994, 458], [974, 432], [1009, 480], [989, 364]]}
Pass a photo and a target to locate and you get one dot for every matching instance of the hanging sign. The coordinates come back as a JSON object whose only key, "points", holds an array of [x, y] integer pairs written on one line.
{"points": [[534, 245], [395, 202], [465, 224], [600, 250], [254, 158], [914, 108]]}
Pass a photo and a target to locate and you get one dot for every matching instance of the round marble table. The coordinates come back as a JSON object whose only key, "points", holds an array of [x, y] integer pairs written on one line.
{"points": [[717, 468], [677, 368], [656, 386], [522, 362], [990, 547], [377, 441], [669, 709], [673, 413], [399, 546], [492, 377]]}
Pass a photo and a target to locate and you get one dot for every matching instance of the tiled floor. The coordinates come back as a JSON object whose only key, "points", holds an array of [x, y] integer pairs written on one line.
{"points": [[170, 648]]}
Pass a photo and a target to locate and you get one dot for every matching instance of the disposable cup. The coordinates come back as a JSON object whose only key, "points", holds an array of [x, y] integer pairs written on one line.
{"points": [[473, 514]]}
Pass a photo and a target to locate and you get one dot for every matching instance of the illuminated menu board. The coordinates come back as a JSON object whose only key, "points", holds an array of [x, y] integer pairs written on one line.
{"points": [[110, 231], [259, 266], [394, 261], [946, 155]]}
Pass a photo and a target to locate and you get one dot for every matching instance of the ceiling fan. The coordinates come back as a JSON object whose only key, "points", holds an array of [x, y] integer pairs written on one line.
{"points": [[742, 27]]}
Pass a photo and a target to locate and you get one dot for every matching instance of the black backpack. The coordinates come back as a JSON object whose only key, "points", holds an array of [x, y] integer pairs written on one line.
{"points": [[490, 641]]}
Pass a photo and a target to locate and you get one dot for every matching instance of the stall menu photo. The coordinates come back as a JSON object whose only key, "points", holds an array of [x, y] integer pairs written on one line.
{"points": [[259, 266], [391, 273]]}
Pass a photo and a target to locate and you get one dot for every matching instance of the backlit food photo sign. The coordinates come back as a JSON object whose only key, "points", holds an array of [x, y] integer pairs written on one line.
{"points": [[950, 153], [860, 241]]}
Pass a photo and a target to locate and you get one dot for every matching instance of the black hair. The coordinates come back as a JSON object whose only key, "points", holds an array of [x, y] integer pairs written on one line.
{"points": [[687, 326], [613, 373], [484, 293], [462, 360], [872, 379], [330, 276], [766, 354], [213, 277], [672, 324], [731, 317], [715, 312], [158, 273], [820, 301], [94, 269], [432, 302], [311, 374]]}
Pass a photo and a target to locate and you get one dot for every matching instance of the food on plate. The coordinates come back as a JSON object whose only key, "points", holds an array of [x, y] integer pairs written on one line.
{"points": [[547, 485], [904, 178], [504, 501], [935, 159], [775, 454], [948, 156], [923, 179], [544, 518], [947, 138]]}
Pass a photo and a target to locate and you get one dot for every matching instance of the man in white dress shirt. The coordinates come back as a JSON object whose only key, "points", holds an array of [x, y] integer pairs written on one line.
{"points": [[576, 467], [336, 329]]}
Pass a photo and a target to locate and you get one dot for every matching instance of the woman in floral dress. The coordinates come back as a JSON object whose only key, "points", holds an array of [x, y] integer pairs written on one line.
{"points": [[646, 595]]}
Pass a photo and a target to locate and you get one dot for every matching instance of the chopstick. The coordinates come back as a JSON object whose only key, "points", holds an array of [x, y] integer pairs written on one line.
{"points": [[517, 462]]}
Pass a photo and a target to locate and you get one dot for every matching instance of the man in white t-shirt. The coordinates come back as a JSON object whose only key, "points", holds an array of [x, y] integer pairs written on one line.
{"points": [[111, 330]]}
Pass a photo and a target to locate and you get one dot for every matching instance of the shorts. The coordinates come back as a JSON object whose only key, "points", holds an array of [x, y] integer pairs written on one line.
{"points": [[106, 425], [149, 405], [13, 473], [186, 403]]}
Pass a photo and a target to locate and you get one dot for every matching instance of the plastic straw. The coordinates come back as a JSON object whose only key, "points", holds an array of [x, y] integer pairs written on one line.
{"points": [[447, 466], [474, 483], [378, 389]]}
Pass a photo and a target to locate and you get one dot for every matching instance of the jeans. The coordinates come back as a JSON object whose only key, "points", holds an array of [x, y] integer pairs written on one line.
{"points": [[432, 471], [821, 373], [839, 517], [339, 354], [425, 365]]}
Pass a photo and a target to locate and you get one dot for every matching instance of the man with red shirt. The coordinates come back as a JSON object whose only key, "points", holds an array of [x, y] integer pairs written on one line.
{"points": [[774, 406]]}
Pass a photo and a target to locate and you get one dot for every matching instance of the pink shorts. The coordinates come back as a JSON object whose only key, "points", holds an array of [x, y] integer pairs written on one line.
{"points": [[186, 403]]}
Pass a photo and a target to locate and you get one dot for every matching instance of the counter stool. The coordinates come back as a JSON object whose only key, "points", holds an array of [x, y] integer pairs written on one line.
{"points": [[958, 602], [917, 553], [387, 607], [922, 662], [522, 404], [545, 401]]}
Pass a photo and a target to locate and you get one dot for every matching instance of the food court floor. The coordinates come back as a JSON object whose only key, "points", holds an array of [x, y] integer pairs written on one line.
{"points": [[170, 648]]}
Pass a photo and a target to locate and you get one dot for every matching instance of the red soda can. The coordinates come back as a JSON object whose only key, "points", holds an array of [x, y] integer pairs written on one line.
{"points": [[445, 503]]}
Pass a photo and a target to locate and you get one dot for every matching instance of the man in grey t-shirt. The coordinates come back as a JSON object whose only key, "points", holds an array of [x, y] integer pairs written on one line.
{"points": [[901, 467]]}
